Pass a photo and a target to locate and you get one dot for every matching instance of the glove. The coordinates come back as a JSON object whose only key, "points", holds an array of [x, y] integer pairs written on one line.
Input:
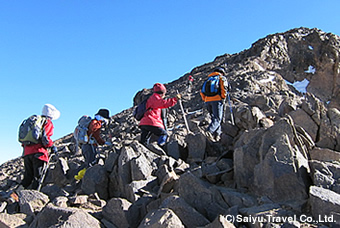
{"points": [[54, 149], [179, 96], [108, 143]]}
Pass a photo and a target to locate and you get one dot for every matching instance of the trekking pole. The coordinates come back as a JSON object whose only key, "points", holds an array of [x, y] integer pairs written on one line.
{"points": [[184, 116], [229, 102], [43, 175], [224, 110], [231, 109]]}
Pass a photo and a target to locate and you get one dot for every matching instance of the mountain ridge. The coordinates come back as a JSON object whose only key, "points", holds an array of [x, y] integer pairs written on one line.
{"points": [[271, 162]]}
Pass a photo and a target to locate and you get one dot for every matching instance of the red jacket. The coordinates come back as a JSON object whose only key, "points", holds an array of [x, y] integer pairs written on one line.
{"points": [[94, 130], [154, 106], [40, 148]]}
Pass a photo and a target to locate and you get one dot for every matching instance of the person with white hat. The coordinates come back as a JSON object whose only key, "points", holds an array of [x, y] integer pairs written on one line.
{"points": [[36, 155]]}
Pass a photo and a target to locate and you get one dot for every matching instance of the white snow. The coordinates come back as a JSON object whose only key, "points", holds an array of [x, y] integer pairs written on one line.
{"points": [[300, 86], [310, 47], [311, 70]]}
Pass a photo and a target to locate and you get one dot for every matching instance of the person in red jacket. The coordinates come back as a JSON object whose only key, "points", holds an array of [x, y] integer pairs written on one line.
{"points": [[36, 155], [152, 122], [89, 150]]}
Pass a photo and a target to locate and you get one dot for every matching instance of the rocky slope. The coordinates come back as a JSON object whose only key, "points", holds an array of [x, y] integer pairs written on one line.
{"points": [[277, 166]]}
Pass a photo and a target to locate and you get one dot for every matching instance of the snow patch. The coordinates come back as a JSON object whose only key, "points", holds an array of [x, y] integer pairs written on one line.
{"points": [[311, 70], [300, 86], [310, 47]]}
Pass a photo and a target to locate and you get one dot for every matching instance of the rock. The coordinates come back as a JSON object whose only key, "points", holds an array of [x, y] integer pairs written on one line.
{"points": [[234, 198], [111, 161], [187, 214], [124, 167], [201, 195], [324, 154], [166, 178], [60, 201], [32, 201], [279, 168], [141, 168], [161, 218], [323, 202], [54, 191], [116, 212], [96, 180], [60, 217], [301, 118], [9, 220], [196, 147], [326, 175], [137, 188], [79, 199], [173, 149]]}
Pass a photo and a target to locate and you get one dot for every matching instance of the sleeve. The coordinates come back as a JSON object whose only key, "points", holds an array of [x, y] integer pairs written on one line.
{"points": [[94, 130], [47, 133], [164, 103], [224, 87]]}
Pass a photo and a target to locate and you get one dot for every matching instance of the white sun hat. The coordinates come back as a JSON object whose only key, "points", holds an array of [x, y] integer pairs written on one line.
{"points": [[50, 111]]}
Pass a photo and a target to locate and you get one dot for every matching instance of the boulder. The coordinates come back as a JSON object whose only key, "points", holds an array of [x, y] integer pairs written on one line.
{"points": [[32, 201], [116, 212], [161, 218], [201, 195], [9, 220], [96, 180], [187, 214], [323, 202], [52, 216], [302, 119], [324, 154], [276, 167], [196, 147]]}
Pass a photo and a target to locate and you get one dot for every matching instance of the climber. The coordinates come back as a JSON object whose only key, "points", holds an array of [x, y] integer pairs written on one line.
{"points": [[36, 154], [89, 149], [213, 93], [152, 122], [190, 81]]}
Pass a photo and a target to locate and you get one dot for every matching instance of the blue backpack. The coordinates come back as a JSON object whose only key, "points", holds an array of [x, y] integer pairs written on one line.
{"points": [[80, 132], [31, 130], [211, 86], [139, 111]]}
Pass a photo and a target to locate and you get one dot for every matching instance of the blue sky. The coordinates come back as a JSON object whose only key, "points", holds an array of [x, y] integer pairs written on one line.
{"points": [[84, 55]]}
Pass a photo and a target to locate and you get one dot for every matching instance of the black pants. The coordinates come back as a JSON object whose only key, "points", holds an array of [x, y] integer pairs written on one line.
{"points": [[148, 130], [33, 170], [89, 152]]}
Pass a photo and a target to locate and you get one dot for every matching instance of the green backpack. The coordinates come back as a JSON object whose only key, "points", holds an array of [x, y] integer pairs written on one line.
{"points": [[30, 130]]}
